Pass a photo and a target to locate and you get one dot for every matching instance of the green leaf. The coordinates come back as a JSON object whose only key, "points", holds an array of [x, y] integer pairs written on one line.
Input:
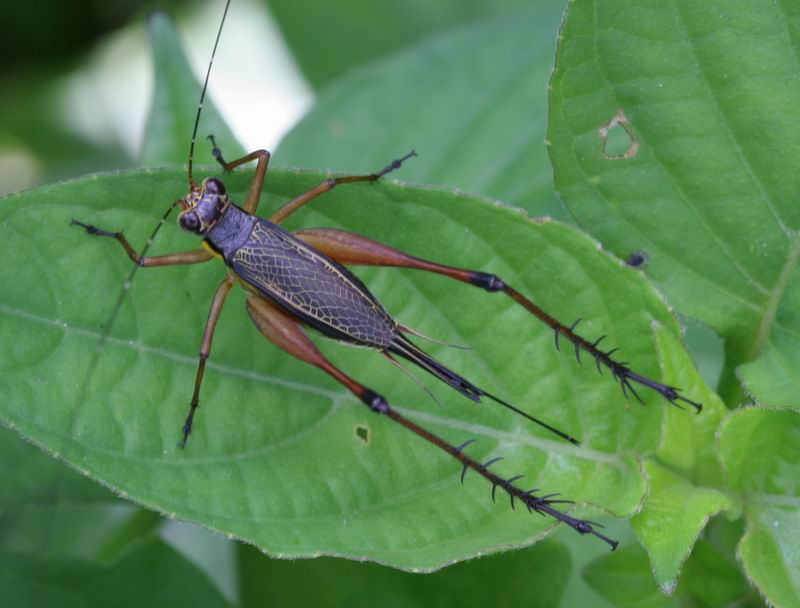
{"points": [[774, 378], [471, 102], [760, 451], [533, 577], [176, 93], [688, 442], [96, 532], [682, 492], [623, 579], [712, 579], [671, 520], [281, 455], [38, 479], [708, 92], [327, 39], [151, 575], [49, 510]]}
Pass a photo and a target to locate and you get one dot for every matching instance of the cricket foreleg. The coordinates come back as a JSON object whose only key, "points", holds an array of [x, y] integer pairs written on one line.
{"points": [[329, 184], [254, 193], [196, 256], [349, 248], [205, 351], [286, 333]]}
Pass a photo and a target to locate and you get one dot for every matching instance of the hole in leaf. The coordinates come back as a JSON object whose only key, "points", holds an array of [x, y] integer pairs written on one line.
{"points": [[362, 432], [619, 142]]}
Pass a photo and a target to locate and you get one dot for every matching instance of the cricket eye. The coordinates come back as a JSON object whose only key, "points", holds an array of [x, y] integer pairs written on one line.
{"points": [[189, 221], [214, 186]]}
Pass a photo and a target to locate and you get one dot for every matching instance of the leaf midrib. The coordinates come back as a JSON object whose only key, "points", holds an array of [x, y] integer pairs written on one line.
{"points": [[543, 444]]}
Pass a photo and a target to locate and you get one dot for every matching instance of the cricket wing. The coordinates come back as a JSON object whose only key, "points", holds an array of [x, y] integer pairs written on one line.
{"points": [[312, 287]]}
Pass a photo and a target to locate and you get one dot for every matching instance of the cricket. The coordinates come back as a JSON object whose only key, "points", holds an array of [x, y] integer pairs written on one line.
{"points": [[300, 280]]}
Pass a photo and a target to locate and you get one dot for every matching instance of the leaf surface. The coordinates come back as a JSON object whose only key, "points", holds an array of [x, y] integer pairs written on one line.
{"points": [[173, 107], [281, 455], [471, 102], [760, 451], [699, 102]]}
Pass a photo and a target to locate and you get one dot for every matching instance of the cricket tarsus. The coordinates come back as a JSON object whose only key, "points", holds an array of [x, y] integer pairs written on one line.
{"points": [[539, 504], [620, 371]]}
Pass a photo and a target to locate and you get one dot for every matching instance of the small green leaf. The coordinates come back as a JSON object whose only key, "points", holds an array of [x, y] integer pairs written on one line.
{"points": [[774, 378], [471, 102], [760, 451], [623, 578], [707, 93], [533, 577], [275, 457], [151, 575], [176, 93], [673, 516], [682, 495], [687, 441]]}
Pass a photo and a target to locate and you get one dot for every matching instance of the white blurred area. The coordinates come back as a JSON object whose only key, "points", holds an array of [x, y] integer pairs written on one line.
{"points": [[255, 82]]}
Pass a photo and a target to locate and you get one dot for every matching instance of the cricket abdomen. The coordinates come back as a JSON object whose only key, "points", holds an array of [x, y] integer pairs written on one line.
{"points": [[306, 283]]}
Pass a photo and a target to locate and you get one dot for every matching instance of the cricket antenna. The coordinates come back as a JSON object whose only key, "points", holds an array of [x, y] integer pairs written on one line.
{"points": [[192, 184], [129, 281]]}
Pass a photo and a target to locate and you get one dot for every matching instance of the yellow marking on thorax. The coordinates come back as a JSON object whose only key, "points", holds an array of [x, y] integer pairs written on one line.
{"points": [[211, 250]]}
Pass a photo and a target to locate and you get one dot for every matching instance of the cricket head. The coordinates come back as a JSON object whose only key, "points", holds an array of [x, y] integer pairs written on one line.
{"points": [[203, 206]]}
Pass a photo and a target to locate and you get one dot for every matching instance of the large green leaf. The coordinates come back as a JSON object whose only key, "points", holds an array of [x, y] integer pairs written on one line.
{"points": [[535, 577], [471, 101], [703, 96], [760, 451], [329, 38], [176, 93], [281, 455], [152, 574]]}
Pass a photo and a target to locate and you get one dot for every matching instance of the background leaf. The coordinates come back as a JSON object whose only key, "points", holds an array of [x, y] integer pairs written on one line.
{"points": [[267, 420], [329, 39], [760, 451], [150, 575], [533, 577], [174, 105], [708, 90], [471, 102], [624, 579]]}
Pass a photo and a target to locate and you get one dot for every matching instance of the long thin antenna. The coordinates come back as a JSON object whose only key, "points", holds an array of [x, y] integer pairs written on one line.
{"points": [[129, 281], [203, 95]]}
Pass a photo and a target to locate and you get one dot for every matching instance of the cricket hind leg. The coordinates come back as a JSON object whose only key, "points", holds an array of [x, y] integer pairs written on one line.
{"points": [[349, 248], [286, 333], [329, 184], [205, 351]]}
